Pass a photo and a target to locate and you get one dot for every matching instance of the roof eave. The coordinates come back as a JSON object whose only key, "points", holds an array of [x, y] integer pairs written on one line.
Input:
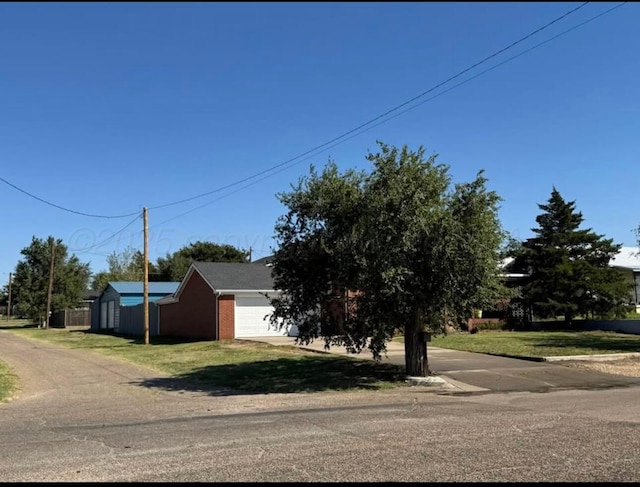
{"points": [[232, 291]]}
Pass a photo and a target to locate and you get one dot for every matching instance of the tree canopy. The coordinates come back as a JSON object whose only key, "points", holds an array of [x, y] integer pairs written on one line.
{"points": [[415, 252], [31, 279], [174, 266], [569, 267], [125, 266]]}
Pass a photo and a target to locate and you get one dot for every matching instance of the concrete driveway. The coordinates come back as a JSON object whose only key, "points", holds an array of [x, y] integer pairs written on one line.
{"points": [[468, 372]]}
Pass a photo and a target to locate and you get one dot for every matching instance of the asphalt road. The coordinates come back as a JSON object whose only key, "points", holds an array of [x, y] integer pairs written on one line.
{"points": [[85, 417]]}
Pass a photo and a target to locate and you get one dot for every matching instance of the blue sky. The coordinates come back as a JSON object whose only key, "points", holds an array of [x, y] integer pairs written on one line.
{"points": [[106, 108]]}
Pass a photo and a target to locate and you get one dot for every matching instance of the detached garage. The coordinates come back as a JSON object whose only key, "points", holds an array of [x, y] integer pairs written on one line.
{"points": [[220, 300]]}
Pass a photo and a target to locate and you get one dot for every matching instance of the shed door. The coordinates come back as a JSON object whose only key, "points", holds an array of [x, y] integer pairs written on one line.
{"points": [[103, 315], [111, 314], [250, 318]]}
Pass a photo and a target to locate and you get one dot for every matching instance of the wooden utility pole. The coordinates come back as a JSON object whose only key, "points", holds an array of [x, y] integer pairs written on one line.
{"points": [[146, 276], [249, 254], [9, 299], [52, 243]]}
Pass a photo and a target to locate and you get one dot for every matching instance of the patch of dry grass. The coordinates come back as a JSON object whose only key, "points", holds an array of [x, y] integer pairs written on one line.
{"points": [[629, 367]]}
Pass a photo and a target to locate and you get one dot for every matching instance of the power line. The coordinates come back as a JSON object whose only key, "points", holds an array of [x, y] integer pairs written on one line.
{"points": [[376, 118], [99, 244], [62, 207], [221, 197], [366, 129], [479, 74]]}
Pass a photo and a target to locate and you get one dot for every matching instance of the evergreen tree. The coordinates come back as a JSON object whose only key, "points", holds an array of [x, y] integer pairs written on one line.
{"points": [[569, 267]]}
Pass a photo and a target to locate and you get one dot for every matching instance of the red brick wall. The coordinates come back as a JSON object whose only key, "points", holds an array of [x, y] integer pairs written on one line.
{"points": [[227, 317], [333, 311], [194, 316]]}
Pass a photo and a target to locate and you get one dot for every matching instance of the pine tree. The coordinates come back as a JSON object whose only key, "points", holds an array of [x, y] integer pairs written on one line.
{"points": [[569, 267]]}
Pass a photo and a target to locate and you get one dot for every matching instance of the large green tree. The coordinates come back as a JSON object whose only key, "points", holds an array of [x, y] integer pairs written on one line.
{"points": [[127, 265], [417, 252], [569, 266], [31, 278], [174, 266]]}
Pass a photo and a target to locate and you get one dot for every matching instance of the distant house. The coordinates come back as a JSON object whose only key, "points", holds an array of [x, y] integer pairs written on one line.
{"points": [[268, 260], [88, 297], [628, 262], [221, 300], [78, 316], [119, 298]]}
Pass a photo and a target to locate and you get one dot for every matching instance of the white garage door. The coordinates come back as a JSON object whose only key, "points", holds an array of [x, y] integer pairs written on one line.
{"points": [[250, 318]]}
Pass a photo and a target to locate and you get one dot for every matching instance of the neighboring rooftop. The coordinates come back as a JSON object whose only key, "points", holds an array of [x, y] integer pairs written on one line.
{"points": [[264, 260], [227, 276], [91, 294], [627, 258], [137, 287]]}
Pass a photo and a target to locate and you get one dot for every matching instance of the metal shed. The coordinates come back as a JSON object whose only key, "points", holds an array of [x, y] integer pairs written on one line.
{"points": [[106, 310]]}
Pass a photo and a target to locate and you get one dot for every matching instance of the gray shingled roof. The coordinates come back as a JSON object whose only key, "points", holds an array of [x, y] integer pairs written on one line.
{"points": [[236, 276]]}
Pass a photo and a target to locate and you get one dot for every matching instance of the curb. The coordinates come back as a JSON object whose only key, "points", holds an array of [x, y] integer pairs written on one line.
{"points": [[429, 380], [596, 358]]}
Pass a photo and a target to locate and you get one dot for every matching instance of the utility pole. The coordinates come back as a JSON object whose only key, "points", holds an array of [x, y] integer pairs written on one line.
{"points": [[52, 243], [146, 276], [9, 299], [249, 254]]}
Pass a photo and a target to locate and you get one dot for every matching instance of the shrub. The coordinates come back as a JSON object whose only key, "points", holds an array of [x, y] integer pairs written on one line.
{"points": [[491, 325]]}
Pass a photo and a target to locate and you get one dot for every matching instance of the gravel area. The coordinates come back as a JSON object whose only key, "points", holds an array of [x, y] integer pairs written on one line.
{"points": [[629, 367]]}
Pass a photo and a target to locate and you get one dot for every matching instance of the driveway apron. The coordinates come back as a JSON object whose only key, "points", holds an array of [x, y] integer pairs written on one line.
{"points": [[469, 372]]}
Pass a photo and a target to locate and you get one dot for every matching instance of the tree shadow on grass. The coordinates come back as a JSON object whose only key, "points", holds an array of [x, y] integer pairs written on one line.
{"points": [[17, 327], [602, 343], [139, 340], [284, 375]]}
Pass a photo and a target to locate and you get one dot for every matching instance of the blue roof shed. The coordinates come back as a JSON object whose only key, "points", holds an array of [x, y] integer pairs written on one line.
{"points": [[126, 294], [132, 293]]}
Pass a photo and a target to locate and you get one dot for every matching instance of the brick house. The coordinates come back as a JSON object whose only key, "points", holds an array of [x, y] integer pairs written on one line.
{"points": [[220, 300]]}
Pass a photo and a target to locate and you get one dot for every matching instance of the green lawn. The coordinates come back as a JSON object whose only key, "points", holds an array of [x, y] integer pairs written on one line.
{"points": [[539, 343], [231, 364], [8, 383]]}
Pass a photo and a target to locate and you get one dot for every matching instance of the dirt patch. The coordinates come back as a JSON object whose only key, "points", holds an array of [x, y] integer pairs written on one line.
{"points": [[629, 367]]}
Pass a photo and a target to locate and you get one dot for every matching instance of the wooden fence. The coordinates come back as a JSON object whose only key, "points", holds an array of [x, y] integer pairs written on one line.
{"points": [[71, 317]]}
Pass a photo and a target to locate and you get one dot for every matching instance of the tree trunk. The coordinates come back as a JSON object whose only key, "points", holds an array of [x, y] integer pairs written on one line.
{"points": [[415, 349], [568, 319]]}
